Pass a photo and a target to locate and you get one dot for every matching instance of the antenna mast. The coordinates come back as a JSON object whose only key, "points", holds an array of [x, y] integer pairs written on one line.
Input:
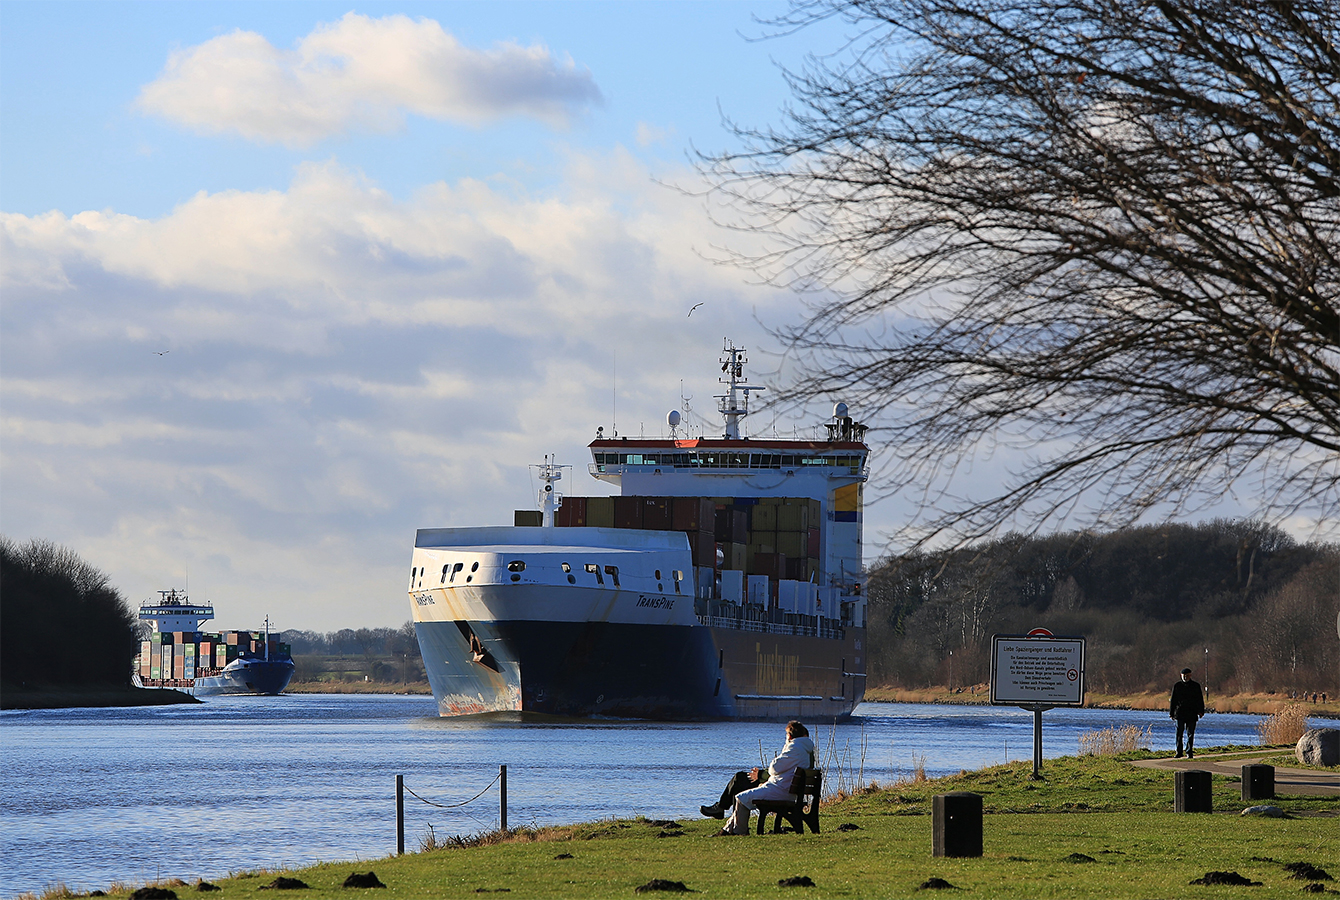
{"points": [[734, 404]]}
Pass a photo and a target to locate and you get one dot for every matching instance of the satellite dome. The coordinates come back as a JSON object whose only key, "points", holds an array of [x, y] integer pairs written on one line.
{"points": [[839, 410], [673, 418]]}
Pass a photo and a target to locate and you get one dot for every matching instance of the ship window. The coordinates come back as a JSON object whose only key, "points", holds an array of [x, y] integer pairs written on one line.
{"points": [[658, 574], [454, 569], [443, 579], [613, 572], [595, 570], [516, 577], [678, 576], [572, 579], [566, 567], [516, 565], [475, 567]]}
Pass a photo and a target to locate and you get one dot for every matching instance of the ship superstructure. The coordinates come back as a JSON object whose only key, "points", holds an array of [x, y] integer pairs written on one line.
{"points": [[724, 581]]}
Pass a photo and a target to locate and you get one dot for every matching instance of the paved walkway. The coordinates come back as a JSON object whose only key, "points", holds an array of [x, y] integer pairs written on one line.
{"points": [[1287, 781]]}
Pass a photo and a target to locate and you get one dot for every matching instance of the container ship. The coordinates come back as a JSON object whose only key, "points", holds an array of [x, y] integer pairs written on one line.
{"points": [[179, 655], [724, 581]]}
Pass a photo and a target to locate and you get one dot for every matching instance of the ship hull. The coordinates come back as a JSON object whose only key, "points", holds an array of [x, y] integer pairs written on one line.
{"points": [[258, 676], [627, 670]]}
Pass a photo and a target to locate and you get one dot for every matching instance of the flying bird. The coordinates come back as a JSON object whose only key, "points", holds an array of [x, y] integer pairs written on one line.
{"points": [[161, 352], [691, 311]]}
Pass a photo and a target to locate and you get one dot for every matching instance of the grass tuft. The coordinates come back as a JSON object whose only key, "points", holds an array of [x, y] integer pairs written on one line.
{"points": [[1111, 741], [1284, 727]]}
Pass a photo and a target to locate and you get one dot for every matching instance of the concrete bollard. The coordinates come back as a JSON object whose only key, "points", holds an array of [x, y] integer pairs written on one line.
{"points": [[1191, 791], [1258, 782], [956, 824]]}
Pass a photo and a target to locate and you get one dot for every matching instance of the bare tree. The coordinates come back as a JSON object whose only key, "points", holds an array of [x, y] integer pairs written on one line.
{"points": [[1100, 235]]}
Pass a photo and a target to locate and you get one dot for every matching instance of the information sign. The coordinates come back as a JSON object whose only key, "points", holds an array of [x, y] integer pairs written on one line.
{"points": [[1040, 670]]}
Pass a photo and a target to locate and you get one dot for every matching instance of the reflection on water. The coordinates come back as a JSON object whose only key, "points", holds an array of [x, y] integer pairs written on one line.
{"points": [[93, 796]]}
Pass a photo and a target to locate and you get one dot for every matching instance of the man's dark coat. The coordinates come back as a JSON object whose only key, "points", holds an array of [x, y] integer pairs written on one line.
{"points": [[1187, 703]]}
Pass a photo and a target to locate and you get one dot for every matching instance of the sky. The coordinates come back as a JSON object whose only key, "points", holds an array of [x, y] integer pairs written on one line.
{"points": [[281, 283], [284, 282]]}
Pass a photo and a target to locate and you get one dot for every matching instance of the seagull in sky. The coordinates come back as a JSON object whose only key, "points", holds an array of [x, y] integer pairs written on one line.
{"points": [[161, 352], [691, 311]]}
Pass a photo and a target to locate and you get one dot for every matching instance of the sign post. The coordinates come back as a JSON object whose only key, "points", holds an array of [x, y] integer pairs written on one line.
{"points": [[1037, 671]]}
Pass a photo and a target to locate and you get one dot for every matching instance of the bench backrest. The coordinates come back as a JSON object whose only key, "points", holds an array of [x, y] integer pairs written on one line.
{"points": [[807, 782]]}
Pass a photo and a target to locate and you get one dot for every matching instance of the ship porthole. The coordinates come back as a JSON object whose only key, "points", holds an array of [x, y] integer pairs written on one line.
{"points": [[572, 579], [516, 577]]}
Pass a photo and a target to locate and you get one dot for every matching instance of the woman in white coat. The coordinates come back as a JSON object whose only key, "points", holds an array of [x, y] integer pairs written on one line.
{"points": [[797, 753]]}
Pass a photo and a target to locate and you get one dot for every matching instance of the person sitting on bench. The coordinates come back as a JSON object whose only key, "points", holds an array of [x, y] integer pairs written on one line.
{"points": [[772, 783]]}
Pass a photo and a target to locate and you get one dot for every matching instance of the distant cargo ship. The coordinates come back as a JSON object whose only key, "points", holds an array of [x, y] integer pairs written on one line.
{"points": [[179, 655], [726, 582]]}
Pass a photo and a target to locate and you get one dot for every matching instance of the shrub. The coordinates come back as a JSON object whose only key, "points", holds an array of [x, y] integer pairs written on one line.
{"points": [[1284, 727], [1111, 741]]}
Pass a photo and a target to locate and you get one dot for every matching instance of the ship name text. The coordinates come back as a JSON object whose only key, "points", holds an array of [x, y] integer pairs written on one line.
{"points": [[423, 599], [655, 602]]}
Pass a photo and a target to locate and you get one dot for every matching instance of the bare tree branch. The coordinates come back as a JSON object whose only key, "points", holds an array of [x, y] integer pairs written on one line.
{"points": [[1100, 233]]}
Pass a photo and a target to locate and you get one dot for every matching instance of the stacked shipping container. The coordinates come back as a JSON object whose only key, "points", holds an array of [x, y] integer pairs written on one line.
{"points": [[172, 657]]}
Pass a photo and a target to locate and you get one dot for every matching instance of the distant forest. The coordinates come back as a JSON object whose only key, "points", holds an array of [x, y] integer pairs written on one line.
{"points": [[1149, 600], [380, 654]]}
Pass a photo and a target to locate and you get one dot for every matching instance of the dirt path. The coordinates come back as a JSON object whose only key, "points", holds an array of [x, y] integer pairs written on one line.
{"points": [[1287, 780]]}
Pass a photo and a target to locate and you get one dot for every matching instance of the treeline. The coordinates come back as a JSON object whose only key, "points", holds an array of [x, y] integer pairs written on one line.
{"points": [[1149, 600], [62, 624], [379, 654]]}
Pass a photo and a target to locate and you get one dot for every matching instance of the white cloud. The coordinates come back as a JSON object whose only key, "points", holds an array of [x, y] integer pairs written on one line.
{"points": [[344, 367], [361, 74]]}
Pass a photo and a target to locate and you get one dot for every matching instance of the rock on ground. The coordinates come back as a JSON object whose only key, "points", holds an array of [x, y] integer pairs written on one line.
{"points": [[1319, 747]]}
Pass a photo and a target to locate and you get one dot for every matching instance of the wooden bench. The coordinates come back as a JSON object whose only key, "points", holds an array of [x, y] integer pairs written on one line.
{"points": [[806, 784]]}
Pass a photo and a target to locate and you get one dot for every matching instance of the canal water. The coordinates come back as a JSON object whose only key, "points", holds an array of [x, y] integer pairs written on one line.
{"points": [[90, 796]]}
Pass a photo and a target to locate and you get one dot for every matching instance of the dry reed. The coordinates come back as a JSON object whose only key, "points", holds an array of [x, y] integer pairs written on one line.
{"points": [[1111, 741], [1284, 727]]}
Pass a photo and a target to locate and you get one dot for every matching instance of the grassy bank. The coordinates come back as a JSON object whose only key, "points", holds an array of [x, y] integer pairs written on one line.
{"points": [[1096, 827], [70, 698], [1259, 704]]}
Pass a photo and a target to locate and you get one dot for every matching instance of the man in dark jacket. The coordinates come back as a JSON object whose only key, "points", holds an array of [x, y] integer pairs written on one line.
{"points": [[1186, 706]]}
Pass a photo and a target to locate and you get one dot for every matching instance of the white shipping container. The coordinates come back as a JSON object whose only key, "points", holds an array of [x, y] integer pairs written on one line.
{"points": [[732, 585], [759, 590]]}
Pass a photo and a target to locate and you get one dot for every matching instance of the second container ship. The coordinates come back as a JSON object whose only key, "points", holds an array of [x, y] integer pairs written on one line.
{"points": [[179, 655]]}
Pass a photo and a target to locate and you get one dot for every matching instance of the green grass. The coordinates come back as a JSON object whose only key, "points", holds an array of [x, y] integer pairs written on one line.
{"points": [[1104, 808]]}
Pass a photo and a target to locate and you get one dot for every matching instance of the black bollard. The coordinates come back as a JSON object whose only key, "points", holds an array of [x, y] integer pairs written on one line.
{"points": [[956, 824], [1258, 782], [1191, 791]]}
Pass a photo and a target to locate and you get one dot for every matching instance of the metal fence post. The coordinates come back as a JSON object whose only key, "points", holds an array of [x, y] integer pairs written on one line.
{"points": [[400, 815]]}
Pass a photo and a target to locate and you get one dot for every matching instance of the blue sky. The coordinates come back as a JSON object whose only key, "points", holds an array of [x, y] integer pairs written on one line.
{"points": [[284, 282]]}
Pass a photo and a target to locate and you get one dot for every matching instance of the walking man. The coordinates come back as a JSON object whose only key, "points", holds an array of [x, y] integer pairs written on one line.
{"points": [[1186, 706]]}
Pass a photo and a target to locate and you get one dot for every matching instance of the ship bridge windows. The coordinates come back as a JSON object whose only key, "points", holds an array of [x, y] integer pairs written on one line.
{"points": [[716, 460], [595, 570]]}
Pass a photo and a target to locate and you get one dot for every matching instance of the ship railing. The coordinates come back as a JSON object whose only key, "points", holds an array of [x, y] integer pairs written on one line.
{"points": [[824, 629]]}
